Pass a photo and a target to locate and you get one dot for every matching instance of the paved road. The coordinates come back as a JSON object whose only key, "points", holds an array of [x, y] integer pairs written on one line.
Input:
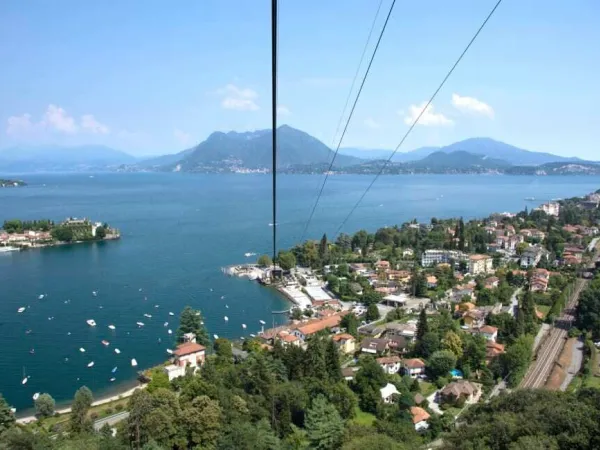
{"points": [[111, 420], [550, 350], [575, 365]]}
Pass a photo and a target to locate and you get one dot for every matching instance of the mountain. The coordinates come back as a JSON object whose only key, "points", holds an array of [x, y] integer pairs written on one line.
{"points": [[372, 154], [164, 160], [53, 158], [414, 155], [459, 160], [509, 153], [234, 151]]}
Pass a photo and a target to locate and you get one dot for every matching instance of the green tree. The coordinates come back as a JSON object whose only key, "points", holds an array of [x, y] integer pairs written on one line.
{"points": [[441, 363], [473, 352], [344, 400], [332, 362], [44, 406], [264, 261], [286, 260], [350, 322], [139, 407], [62, 233], [324, 426], [7, 418], [78, 420], [323, 248], [100, 233], [422, 326], [372, 313], [159, 380], [190, 321], [515, 361], [202, 422], [453, 342], [315, 359], [427, 345], [249, 436], [296, 314], [223, 348]]}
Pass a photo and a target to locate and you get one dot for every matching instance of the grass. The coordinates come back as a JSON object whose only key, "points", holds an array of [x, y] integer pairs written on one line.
{"points": [[363, 418], [427, 388], [544, 309]]}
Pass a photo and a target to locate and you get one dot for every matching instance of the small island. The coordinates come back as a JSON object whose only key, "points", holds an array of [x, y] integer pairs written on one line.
{"points": [[5, 183], [19, 234]]}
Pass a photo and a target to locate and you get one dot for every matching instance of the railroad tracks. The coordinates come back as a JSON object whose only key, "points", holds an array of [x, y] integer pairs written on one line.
{"points": [[550, 350]]}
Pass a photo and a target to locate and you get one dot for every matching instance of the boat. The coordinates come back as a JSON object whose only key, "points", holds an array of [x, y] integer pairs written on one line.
{"points": [[166, 324], [32, 351], [149, 316], [252, 335], [249, 254], [82, 350], [41, 296], [227, 306], [21, 309], [133, 363], [114, 369], [91, 364], [262, 322], [140, 324], [28, 331], [91, 322], [117, 351], [112, 327], [24, 380], [9, 249], [112, 379], [222, 297], [94, 293], [215, 336], [530, 199], [169, 331], [226, 319], [169, 351], [171, 314], [156, 306], [244, 326], [105, 342], [13, 410], [36, 395], [140, 289]]}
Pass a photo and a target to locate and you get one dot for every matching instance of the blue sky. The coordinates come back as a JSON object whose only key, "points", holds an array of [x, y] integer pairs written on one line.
{"points": [[156, 77]]}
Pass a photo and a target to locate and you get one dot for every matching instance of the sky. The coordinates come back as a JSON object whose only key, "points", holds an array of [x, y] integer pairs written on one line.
{"points": [[154, 77]]}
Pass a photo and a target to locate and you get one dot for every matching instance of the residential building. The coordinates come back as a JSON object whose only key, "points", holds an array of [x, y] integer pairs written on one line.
{"points": [[398, 344], [493, 350], [459, 292], [389, 364], [492, 282], [414, 367], [309, 329], [188, 354], [287, 338], [488, 332], [419, 418], [349, 373], [432, 257], [479, 264], [539, 280], [550, 208], [461, 390], [532, 255], [474, 318], [374, 346], [346, 343], [431, 282], [388, 392]]}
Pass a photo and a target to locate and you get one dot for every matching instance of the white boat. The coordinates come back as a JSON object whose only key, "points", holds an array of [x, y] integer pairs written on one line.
{"points": [[149, 316], [262, 322], [36, 395], [140, 289], [215, 336], [13, 410], [114, 369], [222, 297], [21, 309], [226, 319], [227, 306], [156, 306], [140, 324], [171, 314], [9, 249], [169, 331], [82, 350], [112, 327], [24, 380], [166, 324], [117, 351], [244, 326], [252, 335], [249, 254], [133, 362], [169, 351], [41, 296], [91, 364], [94, 293], [91, 322], [105, 343], [112, 379]]}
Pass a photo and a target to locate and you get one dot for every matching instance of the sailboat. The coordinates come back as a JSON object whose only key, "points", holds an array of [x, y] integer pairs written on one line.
{"points": [[114, 369], [133, 362], [25, 378], [166, 324], [36, 396], [91, 364], [169, 331]]}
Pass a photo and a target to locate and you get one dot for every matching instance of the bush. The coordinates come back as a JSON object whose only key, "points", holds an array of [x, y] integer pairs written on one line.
{"points": [[460, 402], [119, 407], [441, 382], [108, 411], [94, 416]]}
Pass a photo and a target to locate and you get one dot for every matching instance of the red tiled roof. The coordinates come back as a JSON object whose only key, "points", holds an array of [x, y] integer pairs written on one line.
{"points": [[342, 336], [418, 414], [388, 360], [414, 363], [188, 348], [488, 329], [319, 325]]}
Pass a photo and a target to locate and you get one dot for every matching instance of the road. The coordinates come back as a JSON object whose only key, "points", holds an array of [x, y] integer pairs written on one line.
{"points": [[110, 420], [550, 349]]}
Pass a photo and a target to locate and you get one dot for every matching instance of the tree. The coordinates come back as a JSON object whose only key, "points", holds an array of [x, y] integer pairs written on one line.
{"points": [[344, 242], [441, 363], [296, 313], [473, 352], [332, 362], [62, 233], [264, 261], [323, 248], [515, 361], [315, 359], [139, 406], [371, 296], [100, 233], [190, 321], [286, 260], [427, 345], [344, 400], [453, 342], [350, 322], [7, 418], [78, 421], [223, 348], [324, 426], [159, 380], [249, 436], [202, 422], [372, 313], [44, 406], [422, 326]]}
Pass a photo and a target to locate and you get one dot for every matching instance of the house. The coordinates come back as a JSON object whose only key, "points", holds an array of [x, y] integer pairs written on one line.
{"points": [[431, 282], [488, 332], [313, 327], [459, 292], [287, 338], [349, 373], [398, 344], [408, 253], [539, 280], [388, 392], [532, 255], [346, 343], [462, 390], [382, 265], [407, 330], [474, 318], [492, 282], [389, 364], [493, 350], [432, 257], [414, 367], [372, 330], [550, 208], [374, 346], [480, 264], [419, 418], [188, 354]]}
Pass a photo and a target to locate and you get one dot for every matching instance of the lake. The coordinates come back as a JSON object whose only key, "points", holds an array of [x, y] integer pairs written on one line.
{"points": [[177, 232]]}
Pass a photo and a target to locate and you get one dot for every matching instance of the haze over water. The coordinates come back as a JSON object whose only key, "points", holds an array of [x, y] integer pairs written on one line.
{"points": [[177, 232]]}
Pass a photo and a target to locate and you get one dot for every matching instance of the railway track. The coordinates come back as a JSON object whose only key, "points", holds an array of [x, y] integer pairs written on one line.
{"points": [[551, 348]]}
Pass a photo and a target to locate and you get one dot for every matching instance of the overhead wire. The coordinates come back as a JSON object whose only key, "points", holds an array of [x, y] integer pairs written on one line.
{"points": [[364, 79], [414, 123]]}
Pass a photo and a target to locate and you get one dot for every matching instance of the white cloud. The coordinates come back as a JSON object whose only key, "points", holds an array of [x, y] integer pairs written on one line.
{"points": [[371, 123], [239, 99], [182, 137], [19, 125], [283, 111], [89, 123], [58, 119], [428, 118], [472, 105]]}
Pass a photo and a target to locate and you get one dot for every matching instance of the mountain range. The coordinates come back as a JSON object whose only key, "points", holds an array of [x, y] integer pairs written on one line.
{"points": [[298, 152]]}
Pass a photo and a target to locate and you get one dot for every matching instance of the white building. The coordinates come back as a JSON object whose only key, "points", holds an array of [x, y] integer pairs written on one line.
{"points": [[389, 364], [551, 208], [188, 354], [480, 264], [432, 257], [388, 392], [532, 255]]}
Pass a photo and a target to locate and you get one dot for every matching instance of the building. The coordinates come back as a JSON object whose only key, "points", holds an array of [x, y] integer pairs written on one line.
{"points": [[374, 346], [488, 332], [532, 255], [492, 351], [189, 354], [480, 264], [464, 390], [431, 282], [414, 367], [550, 208], [474, 318], [388, 392], [286, 338], [539, 280], [346, 343], [432, 257], [309, 329], [389, 364], [419, 418], [398, 344]]}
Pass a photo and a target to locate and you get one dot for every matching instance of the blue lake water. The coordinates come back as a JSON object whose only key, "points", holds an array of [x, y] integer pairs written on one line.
{"points": [[177, 232]]}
